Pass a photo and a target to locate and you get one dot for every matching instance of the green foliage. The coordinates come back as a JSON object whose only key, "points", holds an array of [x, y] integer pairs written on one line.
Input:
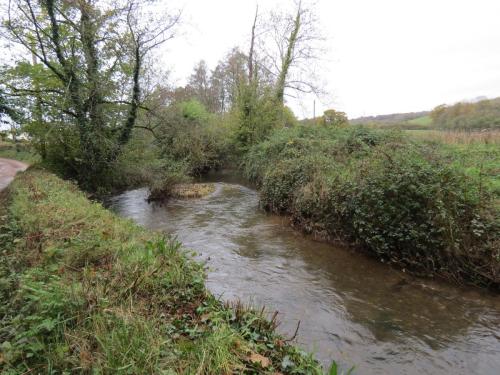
{"points": [[187, 133], [334, 370], [406, 202], [166, 174], [288, 118], [22, 151], [80, 97], [194, 111], [6, 107], [172, 144], [258, 113], [87, 292], [332, 117]]}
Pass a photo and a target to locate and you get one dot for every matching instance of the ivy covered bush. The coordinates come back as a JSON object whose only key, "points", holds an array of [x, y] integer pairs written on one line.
{"points": [[402, 201]]}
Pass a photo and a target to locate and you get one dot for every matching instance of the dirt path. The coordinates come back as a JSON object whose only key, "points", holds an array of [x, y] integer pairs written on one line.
{"points": [[8, 169]]}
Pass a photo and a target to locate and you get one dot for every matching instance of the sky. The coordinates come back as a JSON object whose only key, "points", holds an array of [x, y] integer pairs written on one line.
{"points": [[383, 56]]}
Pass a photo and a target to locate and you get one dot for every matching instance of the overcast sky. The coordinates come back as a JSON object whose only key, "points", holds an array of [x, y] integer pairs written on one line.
{"points": [[383, 56]]}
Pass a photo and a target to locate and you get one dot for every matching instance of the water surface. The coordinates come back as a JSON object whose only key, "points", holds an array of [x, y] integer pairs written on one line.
{"points": [[351, 308]]}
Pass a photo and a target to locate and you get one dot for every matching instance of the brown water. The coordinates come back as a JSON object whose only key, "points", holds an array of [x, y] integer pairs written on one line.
{"points": [[351, 308]]}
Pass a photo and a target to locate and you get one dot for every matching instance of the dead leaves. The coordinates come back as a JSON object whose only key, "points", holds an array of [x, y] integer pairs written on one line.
{"points": [[262, 361]]}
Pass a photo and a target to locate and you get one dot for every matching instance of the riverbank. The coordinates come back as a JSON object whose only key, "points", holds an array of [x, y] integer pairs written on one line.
{"points": [[88, 291], [351, 307], [428, 208]]}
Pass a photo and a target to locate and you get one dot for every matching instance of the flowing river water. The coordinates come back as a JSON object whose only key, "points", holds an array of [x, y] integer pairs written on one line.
{"points": [[351, 308]]}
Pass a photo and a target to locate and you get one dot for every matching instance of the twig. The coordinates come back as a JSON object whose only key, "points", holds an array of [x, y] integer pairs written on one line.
{"points": [[295, 334]]}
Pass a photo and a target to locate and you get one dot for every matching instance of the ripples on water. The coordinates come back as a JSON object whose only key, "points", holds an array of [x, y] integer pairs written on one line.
{"points": [[352, 308]]}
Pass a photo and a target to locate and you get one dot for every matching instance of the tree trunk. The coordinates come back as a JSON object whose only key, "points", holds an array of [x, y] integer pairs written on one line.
{"points": [[288, 59], [252, 44]]}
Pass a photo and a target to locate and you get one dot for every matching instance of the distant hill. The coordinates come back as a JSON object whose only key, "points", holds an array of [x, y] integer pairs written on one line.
{"points": [[411, 120], [472, 114], [391, 118]]}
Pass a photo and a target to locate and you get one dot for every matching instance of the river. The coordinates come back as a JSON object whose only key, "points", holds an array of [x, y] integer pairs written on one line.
{"points": [[352, 308]]}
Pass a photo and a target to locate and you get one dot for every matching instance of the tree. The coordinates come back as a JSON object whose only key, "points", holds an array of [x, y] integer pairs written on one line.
{"points": [[217, 89], [234, 74], [199, 84], [93, 54], [334, 118], [6, 108], [251, 56], [288, 49]]}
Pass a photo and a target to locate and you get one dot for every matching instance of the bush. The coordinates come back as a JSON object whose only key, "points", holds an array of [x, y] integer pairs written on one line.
{"points": [[187, 133], [401, 200], [258, 114], [167, 174]]}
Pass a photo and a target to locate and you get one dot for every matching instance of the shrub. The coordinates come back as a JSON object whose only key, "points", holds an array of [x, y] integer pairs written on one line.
{"points": [[187, 133], [167, 174], [401, 200]]}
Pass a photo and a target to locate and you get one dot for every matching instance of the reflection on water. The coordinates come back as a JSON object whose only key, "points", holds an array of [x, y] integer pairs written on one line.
{"points": [[351, 308]]}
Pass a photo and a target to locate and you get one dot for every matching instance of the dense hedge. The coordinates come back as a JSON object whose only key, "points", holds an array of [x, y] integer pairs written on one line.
{"points": [[404, 201]]}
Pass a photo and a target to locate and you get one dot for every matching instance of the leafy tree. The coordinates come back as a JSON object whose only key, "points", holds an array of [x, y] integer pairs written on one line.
{"points": [[334, 118], [280, 59], [6, 109], [92, 56], [193, 110], [8, 116], [199, 84], [258, 113]]}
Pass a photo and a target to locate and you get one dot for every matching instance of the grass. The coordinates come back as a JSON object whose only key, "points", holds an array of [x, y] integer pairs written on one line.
{"points": [[23, 153], [475, 153], [424, 121], [194, 190], [490, 137], [84, 291]]}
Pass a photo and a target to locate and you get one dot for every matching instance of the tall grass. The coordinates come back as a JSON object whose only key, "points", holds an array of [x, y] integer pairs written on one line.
{"points": [[488, 137]]}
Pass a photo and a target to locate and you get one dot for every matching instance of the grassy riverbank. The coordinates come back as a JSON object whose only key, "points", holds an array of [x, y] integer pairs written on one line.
{"points": [[84, 291], [428, 207]]}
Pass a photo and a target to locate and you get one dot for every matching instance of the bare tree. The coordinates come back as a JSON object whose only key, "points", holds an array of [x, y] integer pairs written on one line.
{"points": [[252, 47], [199, 84], [289, 50]]}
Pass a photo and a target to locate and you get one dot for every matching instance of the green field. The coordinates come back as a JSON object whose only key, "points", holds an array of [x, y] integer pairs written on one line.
{"points": [[424, 120]]}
